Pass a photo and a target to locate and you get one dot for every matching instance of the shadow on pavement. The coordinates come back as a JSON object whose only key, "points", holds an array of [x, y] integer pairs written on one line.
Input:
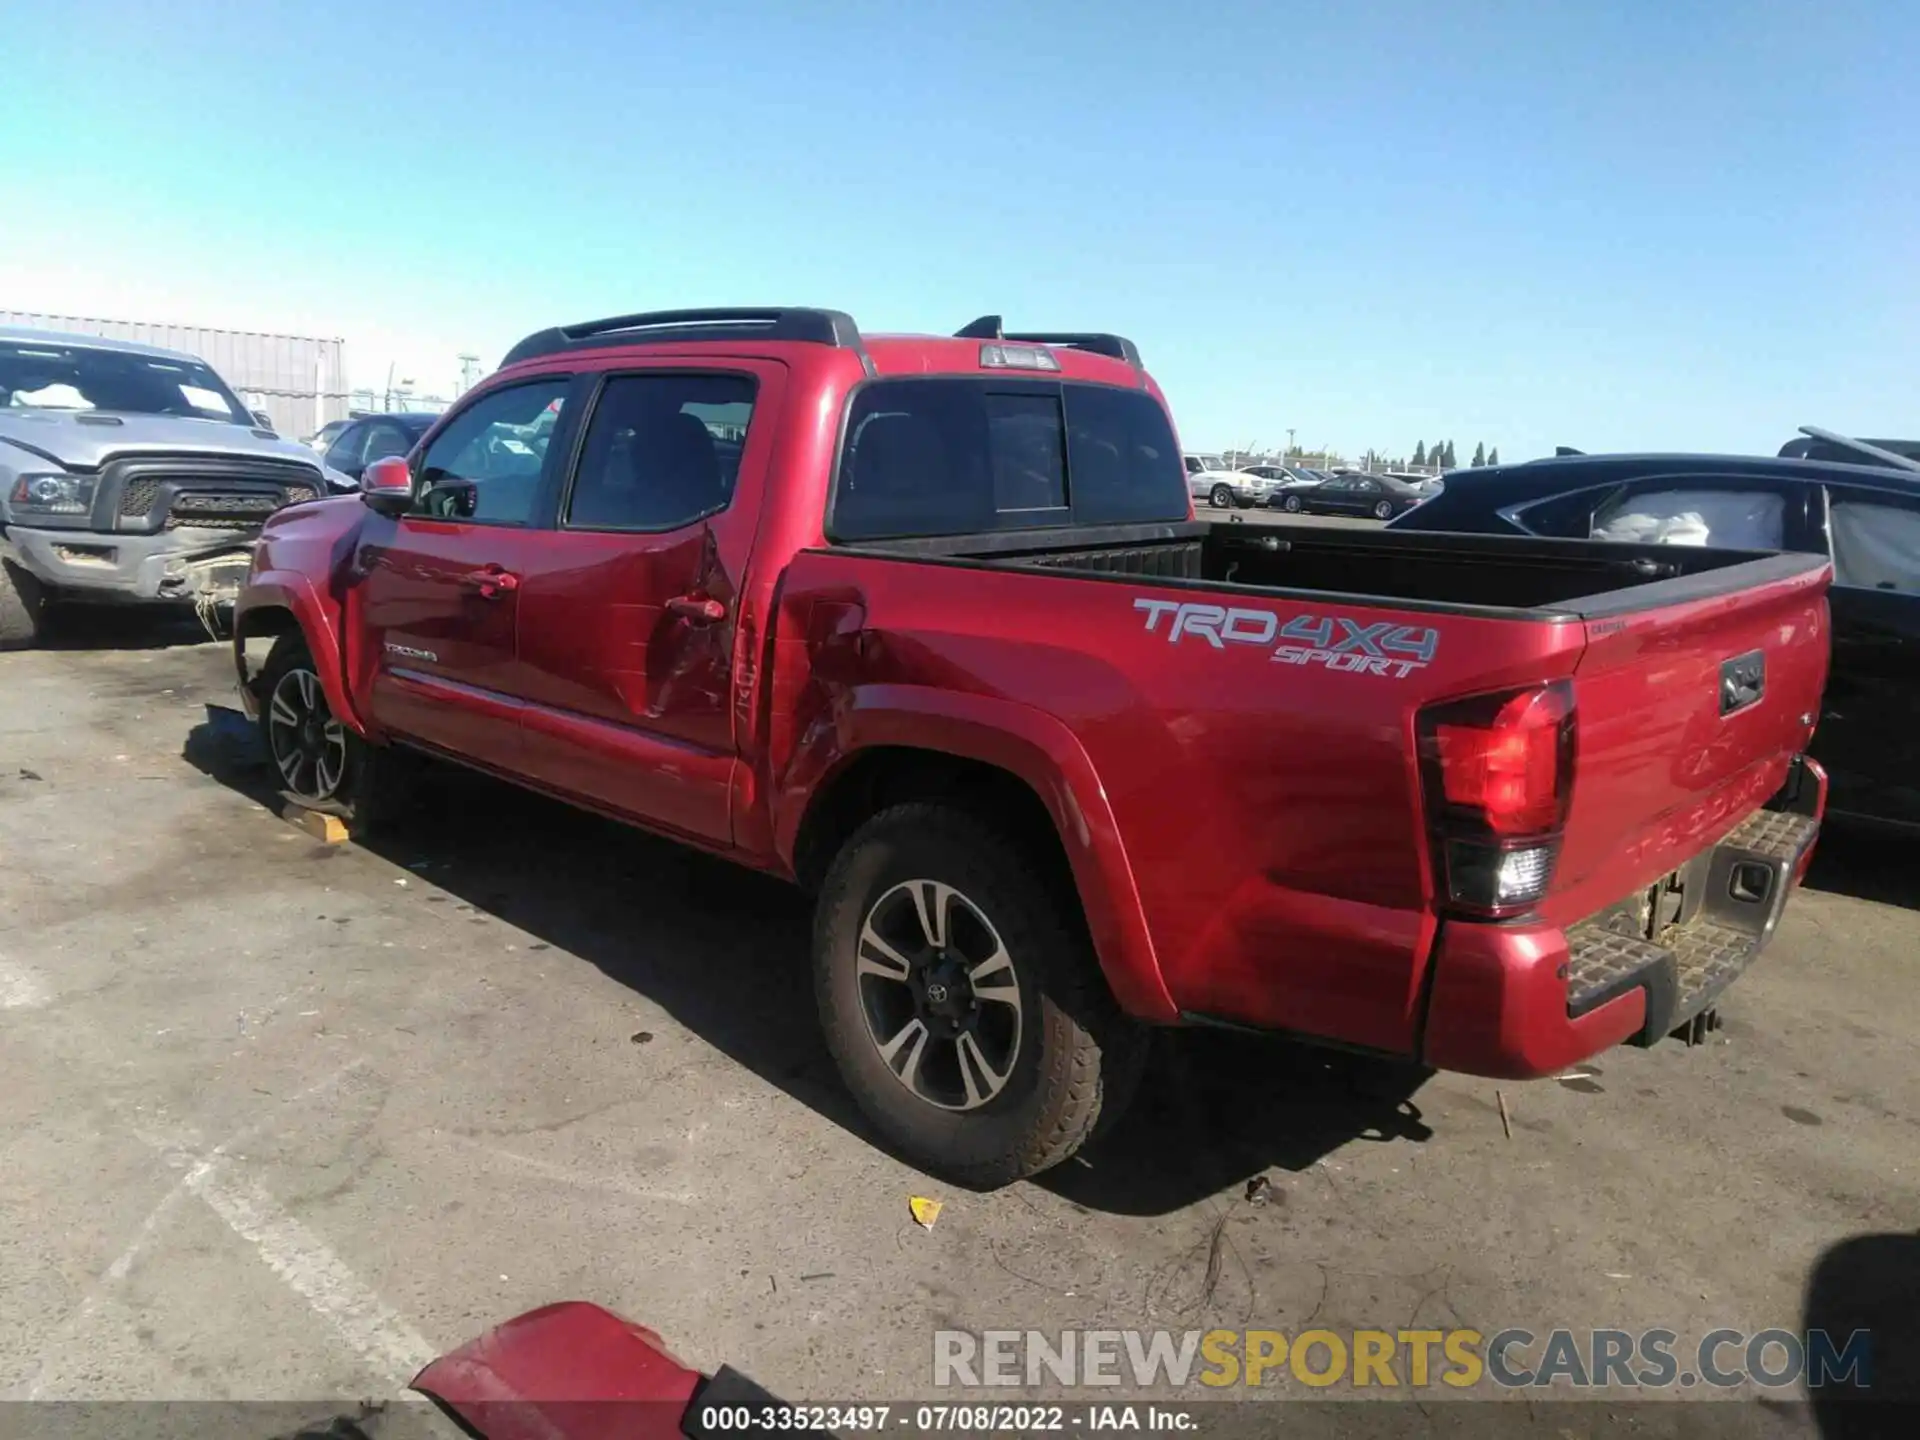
{"points": [[1870, 1283], [726, 953], [121, 627], [1867, 862], [1217, 1107]]}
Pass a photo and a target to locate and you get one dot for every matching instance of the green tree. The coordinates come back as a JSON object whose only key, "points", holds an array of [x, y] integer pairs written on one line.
{"points": [[1447, 461], [1479, 454], [1493, 456], [1419, 452]]}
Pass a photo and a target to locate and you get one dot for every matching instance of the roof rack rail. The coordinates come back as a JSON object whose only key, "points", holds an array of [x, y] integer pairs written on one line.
{"points": [[772, 322], [1118, 347]]}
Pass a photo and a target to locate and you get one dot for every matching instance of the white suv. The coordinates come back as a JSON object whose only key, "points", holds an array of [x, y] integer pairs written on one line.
{"points": [[1209, 479]]}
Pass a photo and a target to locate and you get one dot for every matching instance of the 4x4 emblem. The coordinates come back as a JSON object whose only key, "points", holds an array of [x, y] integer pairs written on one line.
{"points": [[1336, 641]]}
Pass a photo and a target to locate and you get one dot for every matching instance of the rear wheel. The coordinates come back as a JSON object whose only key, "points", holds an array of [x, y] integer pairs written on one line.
{"points": [[1291, 504], [1221, 498], [961, 999], [23, 608], [1383, 511]]}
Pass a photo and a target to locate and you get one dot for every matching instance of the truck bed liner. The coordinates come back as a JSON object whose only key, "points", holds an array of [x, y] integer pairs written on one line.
{"points": [[1459, 573]]}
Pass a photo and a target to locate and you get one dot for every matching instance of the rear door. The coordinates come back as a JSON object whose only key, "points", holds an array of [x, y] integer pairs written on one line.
{"points": [[438, 596], [627, 618], [1869, 736]]}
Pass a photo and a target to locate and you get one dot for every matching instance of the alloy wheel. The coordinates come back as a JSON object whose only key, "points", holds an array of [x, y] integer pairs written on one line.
{"points": [[309, 746], [939, 994]]}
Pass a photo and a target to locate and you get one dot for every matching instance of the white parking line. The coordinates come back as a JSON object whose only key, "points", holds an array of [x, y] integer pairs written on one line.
{"points": [[373, 1328]]}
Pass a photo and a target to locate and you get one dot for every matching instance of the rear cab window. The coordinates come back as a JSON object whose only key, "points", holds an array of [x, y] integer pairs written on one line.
{"points": [[958, 455]]}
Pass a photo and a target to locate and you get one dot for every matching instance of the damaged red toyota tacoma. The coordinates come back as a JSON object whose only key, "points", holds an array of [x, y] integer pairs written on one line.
{"points": [[927, 626]]}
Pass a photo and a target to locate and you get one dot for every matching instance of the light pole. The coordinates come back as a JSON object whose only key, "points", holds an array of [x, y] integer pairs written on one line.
{"points": [[1289, 442]]}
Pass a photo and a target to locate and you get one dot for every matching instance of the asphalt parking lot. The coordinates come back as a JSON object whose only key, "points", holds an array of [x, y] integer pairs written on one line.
{"points": [[278, 1118]]}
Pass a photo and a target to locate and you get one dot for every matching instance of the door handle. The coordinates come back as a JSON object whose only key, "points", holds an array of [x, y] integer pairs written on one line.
{"points": [[491, 581], [697, 607]]}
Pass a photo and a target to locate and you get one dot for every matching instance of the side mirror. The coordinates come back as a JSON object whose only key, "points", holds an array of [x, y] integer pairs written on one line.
{"points": [[387, 486], [262, 419]]}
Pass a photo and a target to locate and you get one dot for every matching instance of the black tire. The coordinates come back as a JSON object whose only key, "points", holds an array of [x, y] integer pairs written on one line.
{"points": [[1074, 1053], [1220, 497], [371, 780], [1383, 511], [23, 608], [1291, 504]]}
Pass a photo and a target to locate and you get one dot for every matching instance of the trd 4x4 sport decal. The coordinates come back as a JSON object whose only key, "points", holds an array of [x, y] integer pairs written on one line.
{"points": [[1335, 641]]}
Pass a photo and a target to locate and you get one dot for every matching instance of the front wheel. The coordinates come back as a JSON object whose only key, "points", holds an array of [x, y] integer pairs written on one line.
{"points": [[308, 745], [1383, 511], [320, 762], [961, 999], [1291, 504], [1221, 498]]}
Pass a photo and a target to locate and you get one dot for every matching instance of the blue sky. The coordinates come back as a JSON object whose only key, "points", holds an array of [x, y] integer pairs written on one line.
{"points": [[1610, 224]]}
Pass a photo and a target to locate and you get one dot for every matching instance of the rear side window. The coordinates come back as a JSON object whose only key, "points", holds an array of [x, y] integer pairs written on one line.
{"points": [[954, 457]]}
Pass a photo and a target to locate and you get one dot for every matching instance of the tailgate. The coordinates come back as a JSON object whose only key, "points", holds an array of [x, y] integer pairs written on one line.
{"points": [[1690, 710]]}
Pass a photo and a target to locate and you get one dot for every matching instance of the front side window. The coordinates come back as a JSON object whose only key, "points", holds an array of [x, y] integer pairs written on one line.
{"points": [[1876, 541], [959, 456], [386, 440], [487, 464], [345, 453], [661, 451]]}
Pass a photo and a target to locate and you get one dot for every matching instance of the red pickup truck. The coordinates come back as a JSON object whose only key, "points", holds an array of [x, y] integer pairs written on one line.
{"points": [[926, 625]]}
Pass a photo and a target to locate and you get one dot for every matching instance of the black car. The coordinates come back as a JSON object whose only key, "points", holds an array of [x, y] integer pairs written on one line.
{"points": [[371, 438], [1866, 516], [1380, 496]]}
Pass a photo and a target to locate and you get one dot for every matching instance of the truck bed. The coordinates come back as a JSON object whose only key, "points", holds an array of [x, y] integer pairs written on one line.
{"points": [[1252, 696], [1461, 574]]}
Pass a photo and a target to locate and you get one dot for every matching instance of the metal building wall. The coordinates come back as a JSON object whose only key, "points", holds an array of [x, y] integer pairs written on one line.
{"points": [[299, 380]]}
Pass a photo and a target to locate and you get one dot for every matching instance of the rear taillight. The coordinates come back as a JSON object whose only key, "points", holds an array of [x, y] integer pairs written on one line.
{"points": [[1498, 772]]}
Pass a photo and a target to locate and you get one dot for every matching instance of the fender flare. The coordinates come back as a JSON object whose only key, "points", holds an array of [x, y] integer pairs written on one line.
{"points": [[294, 593], [1037, 749]]}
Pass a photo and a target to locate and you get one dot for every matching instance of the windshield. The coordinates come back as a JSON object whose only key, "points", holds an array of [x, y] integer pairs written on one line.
{"points": [[55, 376]]}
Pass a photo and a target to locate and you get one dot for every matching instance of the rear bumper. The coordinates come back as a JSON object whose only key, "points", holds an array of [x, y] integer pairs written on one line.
{"points": [[1523, 1001], [172, 565]]}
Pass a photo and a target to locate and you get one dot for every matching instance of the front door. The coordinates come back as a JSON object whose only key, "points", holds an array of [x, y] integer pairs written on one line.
{"points": [[627, 620], [438, 594], [1869, 735]]}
